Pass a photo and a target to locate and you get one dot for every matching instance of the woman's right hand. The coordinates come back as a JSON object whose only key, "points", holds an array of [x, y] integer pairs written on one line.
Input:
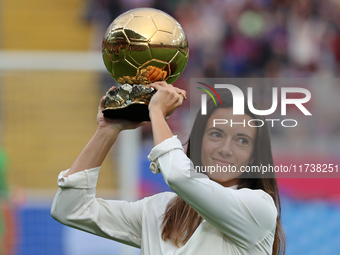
{"points": [[114, 124]]}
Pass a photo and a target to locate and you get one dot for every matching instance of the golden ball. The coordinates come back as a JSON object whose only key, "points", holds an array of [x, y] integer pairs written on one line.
{"points": [[141, 40]]}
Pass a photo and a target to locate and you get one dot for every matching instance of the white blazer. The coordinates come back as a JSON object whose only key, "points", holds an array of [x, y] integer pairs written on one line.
{"points": [[236, 221]]}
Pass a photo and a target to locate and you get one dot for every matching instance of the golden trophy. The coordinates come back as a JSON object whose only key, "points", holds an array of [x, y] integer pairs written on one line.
{"points": [[141, 46]]}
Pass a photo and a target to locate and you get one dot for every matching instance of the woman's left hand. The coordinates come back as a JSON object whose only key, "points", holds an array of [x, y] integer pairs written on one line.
{"points": [[166, 99]]}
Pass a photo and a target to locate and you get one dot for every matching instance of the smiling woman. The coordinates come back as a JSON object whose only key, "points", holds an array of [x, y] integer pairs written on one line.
{"points": [[236, 213], [227, 146]]}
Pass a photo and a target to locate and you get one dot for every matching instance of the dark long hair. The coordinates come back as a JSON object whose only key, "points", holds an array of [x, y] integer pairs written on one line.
{"points": [[180, 220]]}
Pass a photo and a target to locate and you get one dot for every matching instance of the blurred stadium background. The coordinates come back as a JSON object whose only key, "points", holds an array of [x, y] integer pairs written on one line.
{"points": [[52, 77]]}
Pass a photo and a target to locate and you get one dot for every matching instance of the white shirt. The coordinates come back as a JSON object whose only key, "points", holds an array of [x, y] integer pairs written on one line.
{"points": [[235, 221]]}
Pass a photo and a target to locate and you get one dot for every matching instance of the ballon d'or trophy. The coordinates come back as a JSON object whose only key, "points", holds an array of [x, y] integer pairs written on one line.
{"points": [[141, 46]]}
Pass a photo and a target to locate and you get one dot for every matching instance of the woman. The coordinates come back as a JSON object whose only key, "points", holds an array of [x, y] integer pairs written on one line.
{"points": [[208, 213]]}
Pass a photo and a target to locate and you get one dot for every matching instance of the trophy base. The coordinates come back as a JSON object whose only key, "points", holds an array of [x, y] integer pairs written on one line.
{"points": [[134, 112]]}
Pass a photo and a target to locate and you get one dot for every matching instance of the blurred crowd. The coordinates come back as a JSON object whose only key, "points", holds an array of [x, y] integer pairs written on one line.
{"points": [[262, 38], [246, 38]]}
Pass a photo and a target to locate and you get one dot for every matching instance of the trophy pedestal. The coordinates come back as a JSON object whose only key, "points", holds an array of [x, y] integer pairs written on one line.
{"points": [[134, 112], [128, 102]]}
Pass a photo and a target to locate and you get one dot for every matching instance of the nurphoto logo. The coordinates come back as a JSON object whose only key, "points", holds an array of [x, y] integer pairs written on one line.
{"points": [[238, 104]]}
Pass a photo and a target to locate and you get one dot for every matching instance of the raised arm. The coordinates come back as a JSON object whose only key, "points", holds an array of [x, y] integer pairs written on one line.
{"points": [[75, 203], [97, 148], [162, 104]]}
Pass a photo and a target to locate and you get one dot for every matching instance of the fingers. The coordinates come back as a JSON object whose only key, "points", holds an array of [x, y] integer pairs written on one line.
{"points": [[163, 85], [160, 84], [156, 86], [155, 77], [102, 100], [101, 103], [151, 70], [112, 88], [181, 91], [183, 96], [155, 74]]}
